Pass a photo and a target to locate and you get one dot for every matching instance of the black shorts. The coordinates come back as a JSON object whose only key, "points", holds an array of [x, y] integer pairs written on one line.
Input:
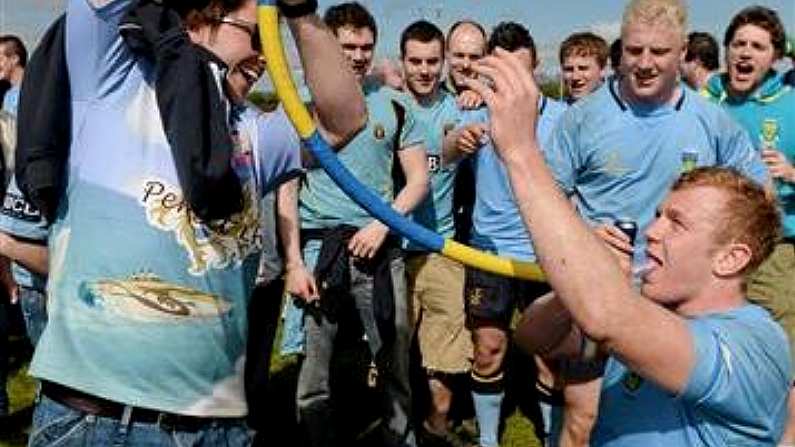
{"points": [[490, 299]]}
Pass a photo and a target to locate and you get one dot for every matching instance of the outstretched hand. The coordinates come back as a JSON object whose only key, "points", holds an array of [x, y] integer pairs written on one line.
{"points": [[512, 98]]}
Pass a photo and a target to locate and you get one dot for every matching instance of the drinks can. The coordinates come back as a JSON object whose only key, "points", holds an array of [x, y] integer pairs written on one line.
{"points": [[628, 227]]}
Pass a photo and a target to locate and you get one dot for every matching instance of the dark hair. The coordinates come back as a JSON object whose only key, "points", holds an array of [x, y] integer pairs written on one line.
{"points": [[460, 23], [422, 31], [703, 47], [765, 18], [615, 54], [351, 14], [584, 44], [205, 12], [511, 36], [14, 46]]}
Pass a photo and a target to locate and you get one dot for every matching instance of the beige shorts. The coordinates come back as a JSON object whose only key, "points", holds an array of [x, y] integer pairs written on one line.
{"points": [[772, 286], [436, 289]]}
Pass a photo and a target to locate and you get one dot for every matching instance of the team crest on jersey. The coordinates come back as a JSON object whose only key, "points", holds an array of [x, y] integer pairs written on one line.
{"points": [[769, 134], [209, 245], [631, 382], [434, 164], [689, 161], [612, 164], [378, 131]]}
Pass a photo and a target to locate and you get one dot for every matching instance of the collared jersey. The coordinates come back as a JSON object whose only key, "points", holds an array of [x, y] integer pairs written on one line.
{"points": [[736, 394], [23, 221], [619, 161], [435, 212], [768, 115], [147, 304], [497, 225], [369, 157]]}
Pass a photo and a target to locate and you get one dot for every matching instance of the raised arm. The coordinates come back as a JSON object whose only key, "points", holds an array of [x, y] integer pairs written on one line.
{"points": [[338, 101], [593, 288]]}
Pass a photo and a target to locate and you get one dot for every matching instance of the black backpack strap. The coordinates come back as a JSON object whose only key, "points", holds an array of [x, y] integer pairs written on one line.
{"points": [[398, 176]]}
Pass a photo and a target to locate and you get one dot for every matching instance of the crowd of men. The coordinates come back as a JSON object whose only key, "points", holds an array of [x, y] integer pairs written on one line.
{"points": [[147, 235]]}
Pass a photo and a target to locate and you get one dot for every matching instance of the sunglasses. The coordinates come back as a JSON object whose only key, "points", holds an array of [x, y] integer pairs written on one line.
{"points": [[249, 28]]}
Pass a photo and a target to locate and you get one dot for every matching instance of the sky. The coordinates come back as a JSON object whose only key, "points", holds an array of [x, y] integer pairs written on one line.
{"points": [[549, 21]]}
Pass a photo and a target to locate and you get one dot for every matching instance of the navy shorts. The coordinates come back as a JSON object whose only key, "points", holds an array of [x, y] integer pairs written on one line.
{"points": [[490, 299]]}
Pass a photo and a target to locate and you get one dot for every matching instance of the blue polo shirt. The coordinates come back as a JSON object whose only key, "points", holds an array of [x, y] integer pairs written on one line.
{"points": [[369, 157], [736, 393], [497, 225], [619, 160], [20, 219], [435, 212]]}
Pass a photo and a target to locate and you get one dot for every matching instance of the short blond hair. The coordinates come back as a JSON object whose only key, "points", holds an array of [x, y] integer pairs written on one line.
{"points": [[653, 12]]}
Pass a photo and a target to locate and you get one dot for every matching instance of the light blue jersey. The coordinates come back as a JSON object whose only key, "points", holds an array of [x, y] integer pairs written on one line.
{"points": [[147, 304], [18, 218], [11, 100], [435, 212], [736, 394], [23, 221], [369, 157], [768, 115], [619, 161], [497, 225]]}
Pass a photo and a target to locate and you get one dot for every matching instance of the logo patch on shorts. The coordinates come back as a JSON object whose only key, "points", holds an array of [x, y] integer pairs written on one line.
{"points": [[378, 131], [475, 296]]}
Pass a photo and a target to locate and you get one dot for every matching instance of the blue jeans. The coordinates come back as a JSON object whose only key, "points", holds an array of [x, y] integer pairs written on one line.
{"points": [[313, 393], [55, 424], [34, 310]]}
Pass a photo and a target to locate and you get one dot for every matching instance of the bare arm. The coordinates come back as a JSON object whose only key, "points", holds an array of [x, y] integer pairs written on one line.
{"points": [[298, 281], [593, 288], [366, 242], [414, 161], [7, 279], [338, 99], [32, 256]]}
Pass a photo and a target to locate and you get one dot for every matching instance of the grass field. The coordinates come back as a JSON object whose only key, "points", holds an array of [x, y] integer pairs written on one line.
{"points": [[356, 408]]}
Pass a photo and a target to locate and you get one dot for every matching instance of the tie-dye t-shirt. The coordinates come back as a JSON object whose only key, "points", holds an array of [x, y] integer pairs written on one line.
{"points": [[147, 305]]}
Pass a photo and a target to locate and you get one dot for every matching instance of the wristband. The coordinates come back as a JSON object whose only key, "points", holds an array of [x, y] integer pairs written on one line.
{"points": [[296, 11]]}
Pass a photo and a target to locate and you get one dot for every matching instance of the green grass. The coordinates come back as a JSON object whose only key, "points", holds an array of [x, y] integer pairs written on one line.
{"points": [[21, 391]]}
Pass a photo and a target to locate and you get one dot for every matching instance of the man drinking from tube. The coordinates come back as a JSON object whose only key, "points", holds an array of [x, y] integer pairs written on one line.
{"points": [[497, 228], [618, 153], [692, 363], [356, 262], [153, 260], [435, 283]]}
